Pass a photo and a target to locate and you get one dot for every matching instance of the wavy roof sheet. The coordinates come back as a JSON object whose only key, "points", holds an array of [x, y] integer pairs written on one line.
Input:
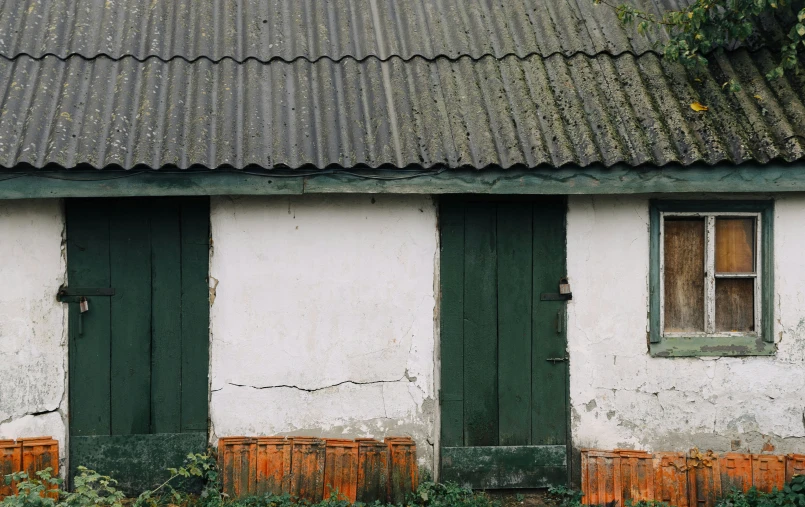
{"points": [[393, 83], [463, 113], [313, 29]]}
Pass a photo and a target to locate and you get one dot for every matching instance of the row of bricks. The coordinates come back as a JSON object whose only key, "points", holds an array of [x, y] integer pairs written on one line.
{"points": [[682, 480], [28, 455], [362, 470]]}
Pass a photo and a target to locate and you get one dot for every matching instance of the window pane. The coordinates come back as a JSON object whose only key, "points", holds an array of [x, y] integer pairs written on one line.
{"points": [[735, 245], [684, 275], [735, 304]]}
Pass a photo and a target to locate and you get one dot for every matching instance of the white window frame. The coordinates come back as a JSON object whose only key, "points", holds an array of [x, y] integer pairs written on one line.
{"points": [[711, 276]]}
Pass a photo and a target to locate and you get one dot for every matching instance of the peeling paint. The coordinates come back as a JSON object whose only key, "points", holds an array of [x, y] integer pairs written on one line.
{"points": [[33, 325], [673, 404], [324, 317]]}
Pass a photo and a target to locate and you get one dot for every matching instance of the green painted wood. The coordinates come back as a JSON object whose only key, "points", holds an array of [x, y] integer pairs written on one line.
{"points": [[712, 346], [195, 241], [480, 326], [89, 352], [514, 258], [654, 275], [451, 280], [767, 302], [166, 317], [549, 400], [130, 254], [114, 183], [505, 466], [138, 462], [595, 179]]}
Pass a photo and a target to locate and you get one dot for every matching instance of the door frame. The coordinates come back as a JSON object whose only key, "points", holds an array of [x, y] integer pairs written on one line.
{"points": [[109, 454], [569, 463]]}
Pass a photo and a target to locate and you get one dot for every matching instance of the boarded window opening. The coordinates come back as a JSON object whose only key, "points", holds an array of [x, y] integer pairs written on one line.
{"points": [[684, 274]]}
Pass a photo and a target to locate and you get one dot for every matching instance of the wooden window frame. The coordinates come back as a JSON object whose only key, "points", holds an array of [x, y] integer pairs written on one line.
{"points": [[710, 343]]}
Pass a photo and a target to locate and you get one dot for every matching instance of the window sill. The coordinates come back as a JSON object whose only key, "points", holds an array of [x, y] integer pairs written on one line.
{"points": [[711, 346]]}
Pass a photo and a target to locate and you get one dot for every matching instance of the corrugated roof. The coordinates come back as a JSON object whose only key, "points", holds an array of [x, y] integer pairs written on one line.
{"points": [[312, 29], [293, 83], [474, 113]]}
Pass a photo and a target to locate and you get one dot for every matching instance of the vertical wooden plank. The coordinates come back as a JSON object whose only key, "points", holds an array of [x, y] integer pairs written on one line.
{"points": [[89, 352], [195, 227], [514, 256], [130, 254], [549, 379], [166, 312], [480, 326], [451, 220]]}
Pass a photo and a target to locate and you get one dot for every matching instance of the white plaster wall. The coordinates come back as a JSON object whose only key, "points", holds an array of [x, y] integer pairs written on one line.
{"points": [[621, 397], [323, 318], [33, 325]]}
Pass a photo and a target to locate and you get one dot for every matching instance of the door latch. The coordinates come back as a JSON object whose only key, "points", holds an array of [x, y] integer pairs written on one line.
{"points": [[67, 295], [564, 294], [555, 360]]}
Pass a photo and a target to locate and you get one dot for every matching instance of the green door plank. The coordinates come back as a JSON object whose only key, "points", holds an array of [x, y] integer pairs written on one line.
{"points": [[451, 219], [166, 317], [195, 240], [138, 462], [130, 254], [480, 326], [549, 398], [514, 238], [505, 466], [89, 351]]}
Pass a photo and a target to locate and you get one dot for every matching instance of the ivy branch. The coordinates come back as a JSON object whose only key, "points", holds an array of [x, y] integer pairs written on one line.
{"points": [[706, 25]]}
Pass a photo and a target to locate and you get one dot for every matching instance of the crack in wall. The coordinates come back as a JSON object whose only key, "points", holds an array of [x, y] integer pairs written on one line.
{"points": [[405, 378], [20, 416]]}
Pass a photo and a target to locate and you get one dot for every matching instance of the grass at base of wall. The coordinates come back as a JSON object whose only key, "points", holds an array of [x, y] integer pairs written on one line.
{"points": [[200, 473]]}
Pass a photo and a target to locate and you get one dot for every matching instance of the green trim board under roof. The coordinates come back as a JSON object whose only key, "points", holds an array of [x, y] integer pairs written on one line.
{"points": [[621, 179]]}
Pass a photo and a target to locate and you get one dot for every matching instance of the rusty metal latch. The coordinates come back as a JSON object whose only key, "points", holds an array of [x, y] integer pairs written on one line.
{"points": [[555, 360], [66, 295]]}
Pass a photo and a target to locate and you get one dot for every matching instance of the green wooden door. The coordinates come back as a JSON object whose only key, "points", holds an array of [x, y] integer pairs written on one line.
{"points": [[504, 378], [138, 358]]}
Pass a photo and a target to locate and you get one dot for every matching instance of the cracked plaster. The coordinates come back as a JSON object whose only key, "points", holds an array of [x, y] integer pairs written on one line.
{"points": [[33, 325], [323, 321], [622, 397]]}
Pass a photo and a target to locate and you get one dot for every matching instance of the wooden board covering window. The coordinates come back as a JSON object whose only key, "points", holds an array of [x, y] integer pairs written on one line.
{"points": [[735, 305], [735, 245], [684, 274]]}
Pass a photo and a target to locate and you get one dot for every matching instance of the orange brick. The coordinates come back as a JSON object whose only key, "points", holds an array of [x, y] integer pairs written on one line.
{"points": [[10, 462], [670, 478], [273, 465], [736, 472], [601, 477], [341, 469], [307, 468], [768, 472], [637, 475], [238, 463], [794, 465], [373, 470], [402, 468], [704, 479]]}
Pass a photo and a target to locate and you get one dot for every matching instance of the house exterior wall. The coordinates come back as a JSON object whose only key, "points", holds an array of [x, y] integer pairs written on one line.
{"points": [[623, 398], [323, 317], [324, 322], [33, 325]]}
